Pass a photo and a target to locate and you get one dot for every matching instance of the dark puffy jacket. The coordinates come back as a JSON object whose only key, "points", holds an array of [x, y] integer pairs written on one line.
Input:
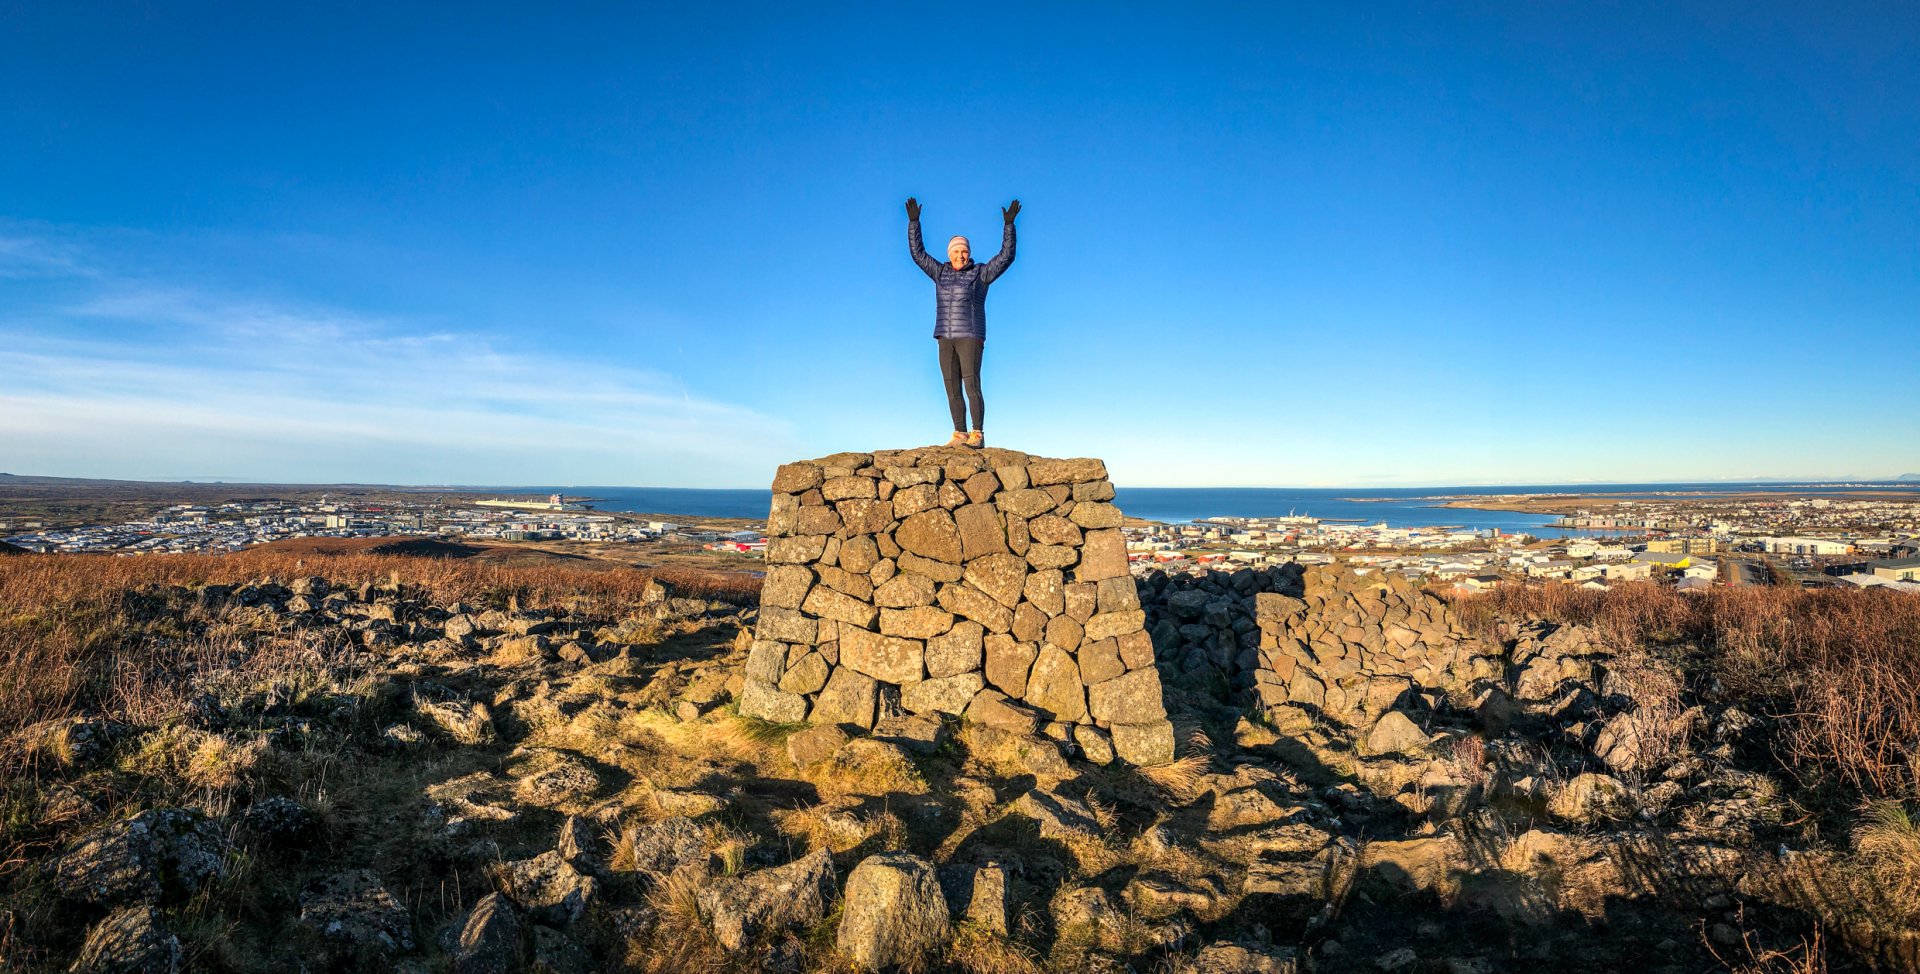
{"points": [[961, 295]]}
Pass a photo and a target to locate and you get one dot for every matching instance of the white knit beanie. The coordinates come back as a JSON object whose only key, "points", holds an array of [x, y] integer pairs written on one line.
{"points": [[958, 240]]}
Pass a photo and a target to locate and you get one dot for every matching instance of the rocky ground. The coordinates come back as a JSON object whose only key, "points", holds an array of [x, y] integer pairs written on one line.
{"points": [[371, 777]]}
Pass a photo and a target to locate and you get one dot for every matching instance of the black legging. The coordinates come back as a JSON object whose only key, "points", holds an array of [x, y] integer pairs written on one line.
{"points": [[960, 360]]}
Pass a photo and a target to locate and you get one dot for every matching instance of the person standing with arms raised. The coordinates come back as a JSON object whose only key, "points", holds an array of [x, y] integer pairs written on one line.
{"points": [[960, 316]]}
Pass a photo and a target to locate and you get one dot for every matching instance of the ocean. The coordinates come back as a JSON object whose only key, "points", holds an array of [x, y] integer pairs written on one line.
{"points": [[1397, 506]]}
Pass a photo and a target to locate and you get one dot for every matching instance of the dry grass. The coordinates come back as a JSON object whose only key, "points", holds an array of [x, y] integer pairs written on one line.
{"points": [[1809, 956], [78, 633], [1838, 667], [185, 696], [1887, 838], [1655, 728], [1181, 778], [682, 940], [978, 951], [867, 767]]}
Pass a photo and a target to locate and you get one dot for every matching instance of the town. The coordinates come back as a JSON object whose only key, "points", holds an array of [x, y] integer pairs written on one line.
{"points": [[1688, 542], [237, 525]]}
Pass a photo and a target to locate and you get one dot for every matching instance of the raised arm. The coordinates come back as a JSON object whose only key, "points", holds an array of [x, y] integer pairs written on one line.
{"points": [[998, 263], [915, 247]]}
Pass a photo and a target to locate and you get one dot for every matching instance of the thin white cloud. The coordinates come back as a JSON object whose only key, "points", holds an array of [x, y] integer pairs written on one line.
{"points": [[286, 391], [26, 256]]}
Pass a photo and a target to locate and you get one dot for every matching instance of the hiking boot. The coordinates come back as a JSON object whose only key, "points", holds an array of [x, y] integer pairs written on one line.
{"points": [[976, 439], [959, 439]]}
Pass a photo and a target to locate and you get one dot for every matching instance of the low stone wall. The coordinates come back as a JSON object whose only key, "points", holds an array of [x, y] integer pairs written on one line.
{"points": [[981, 583], [1354, 645], [1345, 645]]}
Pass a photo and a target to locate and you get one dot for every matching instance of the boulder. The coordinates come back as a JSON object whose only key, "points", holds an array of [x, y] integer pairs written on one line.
{"points": [[908, 732], [958, 651], [904, 591], [930, 534], [992, 709], [895, 912], [465, 721], [1131, 698], [1591, 798], [849, 698], [1395, 733], [1029, 623], [768, 702], [889, 659], [1048, 556], [279, 820], [1027, 503], [827, 603], [815, 744], [160, 853], [1054, 529], [1096, 514], [1047, 591], [939, 571], [913, 499], [1108, 625], [1102, 555], [548, 887], [487, 941], [950, 694], [1117, 595], [1054, 685], [794, 478], [350, 916], [806, 676], [1225, 957], [786, 626], [1100, 661], [921, 622], [1095, 744], [982, 532], [1086, 915], [1046, 471], [963, 599], [1624, 743], [659, 848], [584, 844], [1144, 744], [785, 587], [131, 940], [1002, 576], [748, 907], [976, 895], [1058, 816], [1064, 632]]}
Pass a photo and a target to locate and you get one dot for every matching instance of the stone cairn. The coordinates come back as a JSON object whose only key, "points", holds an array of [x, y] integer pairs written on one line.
{"points": [[1345, 645], [976, 583]]}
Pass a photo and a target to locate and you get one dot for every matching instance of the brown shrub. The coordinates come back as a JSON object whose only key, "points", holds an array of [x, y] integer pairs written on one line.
{"points": [[1839, 667], [76, 632]]}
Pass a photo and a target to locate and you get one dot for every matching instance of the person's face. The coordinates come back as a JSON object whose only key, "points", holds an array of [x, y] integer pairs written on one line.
{"points": [[958, 253]]}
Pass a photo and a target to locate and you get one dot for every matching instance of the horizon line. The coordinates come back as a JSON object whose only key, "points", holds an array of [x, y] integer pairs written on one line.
{"points": [[1906, 479]]}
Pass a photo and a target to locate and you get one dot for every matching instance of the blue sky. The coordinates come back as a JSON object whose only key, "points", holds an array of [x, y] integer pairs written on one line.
{"points": [[626, 244]]}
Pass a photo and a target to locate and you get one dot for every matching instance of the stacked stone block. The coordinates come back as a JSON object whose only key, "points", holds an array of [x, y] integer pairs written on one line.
{"points": [[987, 584]]}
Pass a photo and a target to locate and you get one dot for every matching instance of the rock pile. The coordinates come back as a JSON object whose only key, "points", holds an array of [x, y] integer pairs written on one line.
{"points": [[988, 584]]}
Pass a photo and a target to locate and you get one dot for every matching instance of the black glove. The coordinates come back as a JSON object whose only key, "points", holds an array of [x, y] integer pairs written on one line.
{"points": [[913, 208], [1010, 211]]}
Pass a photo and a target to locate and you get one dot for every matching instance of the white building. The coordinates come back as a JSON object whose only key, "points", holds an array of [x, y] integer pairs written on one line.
{"points": [[1805, 546]]}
